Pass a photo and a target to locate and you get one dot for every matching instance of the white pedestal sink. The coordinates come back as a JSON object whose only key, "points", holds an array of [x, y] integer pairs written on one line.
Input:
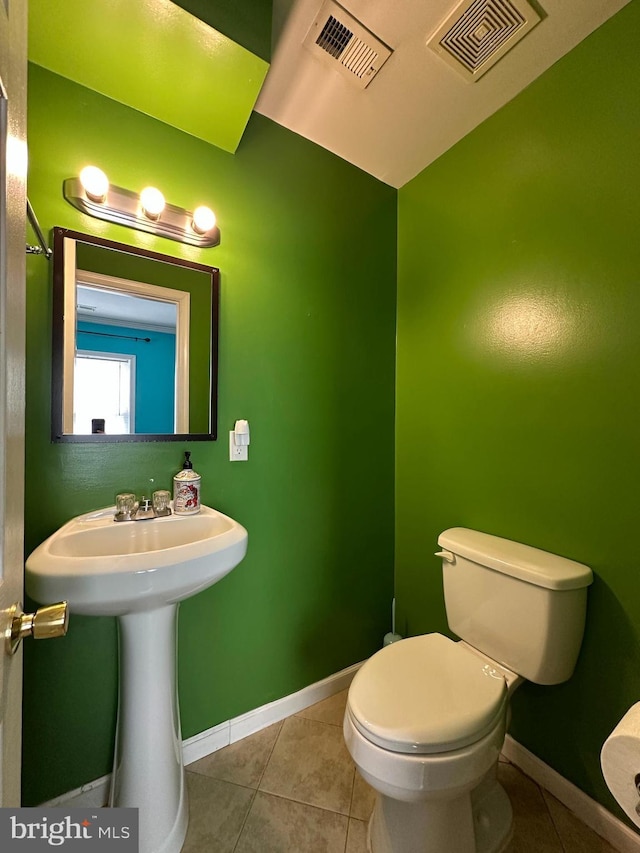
{"points": [[139, 571]]}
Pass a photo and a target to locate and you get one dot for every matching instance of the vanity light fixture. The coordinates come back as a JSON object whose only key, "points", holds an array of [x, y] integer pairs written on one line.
{"points": [[92, 193]]}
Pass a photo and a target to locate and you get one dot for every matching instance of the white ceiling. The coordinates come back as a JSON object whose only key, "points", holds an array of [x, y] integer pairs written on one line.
{"points": [[417, 106], [115, 308]]}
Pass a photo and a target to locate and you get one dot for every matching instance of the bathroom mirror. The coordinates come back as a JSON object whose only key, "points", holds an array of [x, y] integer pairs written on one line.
{"points": [[135, 337]]}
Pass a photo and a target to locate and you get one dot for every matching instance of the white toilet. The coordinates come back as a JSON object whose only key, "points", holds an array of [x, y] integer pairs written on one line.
{"points": [[426, 717]]}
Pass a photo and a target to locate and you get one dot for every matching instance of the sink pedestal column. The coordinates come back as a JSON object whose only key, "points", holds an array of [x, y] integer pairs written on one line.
{"points": [[148, 773]]}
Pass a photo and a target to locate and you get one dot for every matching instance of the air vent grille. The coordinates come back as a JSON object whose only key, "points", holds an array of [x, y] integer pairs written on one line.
{"points": [[338, 38], [359, 57], [479, 32], [334, 37]]}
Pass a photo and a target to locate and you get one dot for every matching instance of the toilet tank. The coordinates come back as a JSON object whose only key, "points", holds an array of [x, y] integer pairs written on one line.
{"points": [[520, 606]]}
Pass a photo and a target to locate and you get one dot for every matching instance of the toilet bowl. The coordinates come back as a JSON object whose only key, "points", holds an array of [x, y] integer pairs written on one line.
{"points": [[425, 723], [426, 717]]}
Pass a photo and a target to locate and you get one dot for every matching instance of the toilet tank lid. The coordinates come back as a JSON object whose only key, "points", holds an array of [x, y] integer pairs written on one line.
{"points": [[512, 558]]}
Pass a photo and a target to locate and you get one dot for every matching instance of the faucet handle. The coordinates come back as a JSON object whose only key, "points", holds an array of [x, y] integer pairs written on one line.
{"points": [[126, 506], [161, 499]]}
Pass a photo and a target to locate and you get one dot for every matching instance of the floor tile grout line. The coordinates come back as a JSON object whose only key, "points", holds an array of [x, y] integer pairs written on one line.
{"points": [[297, 802], [221, 781], [303, 803], [353, 788], [302, 716], [346, 814], [303, 713], [246, 818], [257, 788], [254, 790], [273, 746], [550, 813], [324, 724]]}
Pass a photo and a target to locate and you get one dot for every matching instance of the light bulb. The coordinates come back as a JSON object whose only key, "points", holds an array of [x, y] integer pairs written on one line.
{"points": [[95, 183], [204, 219], [152, 202]]}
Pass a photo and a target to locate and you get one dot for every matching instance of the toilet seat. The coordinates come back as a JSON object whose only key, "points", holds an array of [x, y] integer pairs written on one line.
{"points": [[426, 694]]}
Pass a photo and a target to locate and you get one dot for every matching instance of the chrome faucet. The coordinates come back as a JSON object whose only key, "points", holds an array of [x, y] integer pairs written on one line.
{"points": [[144, 509], [129, 509]]}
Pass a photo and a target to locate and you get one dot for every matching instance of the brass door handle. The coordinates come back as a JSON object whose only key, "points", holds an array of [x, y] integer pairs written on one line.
{"points": [[46, 622]]}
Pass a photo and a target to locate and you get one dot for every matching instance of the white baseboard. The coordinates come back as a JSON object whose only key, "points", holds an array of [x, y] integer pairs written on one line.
{"points": [[591, 813], [213, 739], [95, 794]]}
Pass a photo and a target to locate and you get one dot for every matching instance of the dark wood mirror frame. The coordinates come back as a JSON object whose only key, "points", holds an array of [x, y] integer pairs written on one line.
{"points": [[57, 385]]}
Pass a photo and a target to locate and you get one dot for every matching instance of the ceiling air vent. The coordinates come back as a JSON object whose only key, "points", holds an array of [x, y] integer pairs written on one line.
{"points": [[338, 39], [479, 32]]}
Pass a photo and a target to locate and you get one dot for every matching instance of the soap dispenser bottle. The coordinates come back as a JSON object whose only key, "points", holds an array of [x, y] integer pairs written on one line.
{"points": [[186, 489]]}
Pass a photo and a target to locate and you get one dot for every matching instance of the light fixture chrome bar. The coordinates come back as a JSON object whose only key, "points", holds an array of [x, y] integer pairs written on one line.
{"points": [[42, 249], [123, 207]]}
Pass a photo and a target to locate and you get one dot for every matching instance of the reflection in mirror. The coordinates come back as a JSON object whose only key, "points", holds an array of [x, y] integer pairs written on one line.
{"points": [[135, 343], [128, 335]]}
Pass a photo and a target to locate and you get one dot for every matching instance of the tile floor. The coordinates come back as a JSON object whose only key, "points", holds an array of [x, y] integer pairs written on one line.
{"points": [[292, 788]]}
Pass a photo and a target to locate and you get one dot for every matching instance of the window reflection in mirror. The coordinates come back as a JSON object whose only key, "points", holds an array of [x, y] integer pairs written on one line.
{"points": [[149, 326], [104, 382], [135, 343]]}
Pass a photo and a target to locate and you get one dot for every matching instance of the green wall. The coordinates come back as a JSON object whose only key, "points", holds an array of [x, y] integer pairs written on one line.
{"points": [[247, 23], [155, 57], [307, 347], [518, 369]]}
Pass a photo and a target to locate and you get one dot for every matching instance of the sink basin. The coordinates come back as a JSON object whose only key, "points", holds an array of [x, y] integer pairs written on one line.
{"points": [[107, 568], [139, 571]]}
